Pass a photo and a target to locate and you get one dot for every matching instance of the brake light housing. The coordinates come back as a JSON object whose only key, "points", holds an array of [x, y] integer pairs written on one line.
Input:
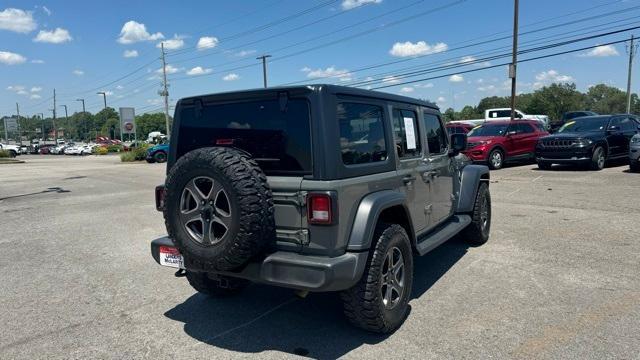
{"points": [[321, 208], [161, 192]]}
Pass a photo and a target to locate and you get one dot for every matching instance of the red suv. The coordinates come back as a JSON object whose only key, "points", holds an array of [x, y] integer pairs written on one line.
{"points": [[496, 142], [459, 128]]}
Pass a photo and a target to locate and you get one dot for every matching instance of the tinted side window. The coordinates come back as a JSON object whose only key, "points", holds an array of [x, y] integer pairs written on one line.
{"points": [[405, 128], [615, 123], [361, 133], [436, 138], [524, 129], [627, 125]]}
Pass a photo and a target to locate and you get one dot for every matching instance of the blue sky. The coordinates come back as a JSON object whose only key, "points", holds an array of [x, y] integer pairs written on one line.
{"points": [[81, 47]]}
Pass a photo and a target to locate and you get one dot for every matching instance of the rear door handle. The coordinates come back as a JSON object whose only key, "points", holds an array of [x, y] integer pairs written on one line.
{"points": [[408, 179]]}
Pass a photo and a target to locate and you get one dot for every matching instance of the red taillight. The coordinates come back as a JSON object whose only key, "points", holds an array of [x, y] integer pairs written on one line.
{"points": [[161, 191], [319, 208]]}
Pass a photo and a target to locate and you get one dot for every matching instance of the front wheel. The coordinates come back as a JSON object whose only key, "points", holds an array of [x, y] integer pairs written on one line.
{"points": [[542, 165], [598, 159], [379, 302], [496, 159], [12, 153]]}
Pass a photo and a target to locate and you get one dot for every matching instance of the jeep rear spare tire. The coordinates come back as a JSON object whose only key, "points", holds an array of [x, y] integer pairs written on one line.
{"points": [[218, 208]]}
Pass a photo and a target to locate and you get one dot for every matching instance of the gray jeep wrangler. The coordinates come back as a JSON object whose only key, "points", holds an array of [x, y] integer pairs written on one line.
{"points": [[316, 188]]}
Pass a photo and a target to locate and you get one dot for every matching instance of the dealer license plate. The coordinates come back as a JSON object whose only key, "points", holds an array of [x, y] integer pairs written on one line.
{"points": [[169, 256]]}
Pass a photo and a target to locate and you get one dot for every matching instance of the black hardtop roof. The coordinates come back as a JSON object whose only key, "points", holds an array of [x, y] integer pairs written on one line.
{"points": [[334, 89]]}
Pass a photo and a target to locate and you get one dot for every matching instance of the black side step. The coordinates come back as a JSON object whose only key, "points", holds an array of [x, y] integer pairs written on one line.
{"points": [[443, 233]]}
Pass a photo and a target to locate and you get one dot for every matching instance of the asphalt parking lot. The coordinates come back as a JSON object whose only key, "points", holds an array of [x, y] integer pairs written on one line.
{"points": [[557, 279]]}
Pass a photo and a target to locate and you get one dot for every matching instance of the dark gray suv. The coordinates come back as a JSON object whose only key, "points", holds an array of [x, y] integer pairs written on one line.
{"points": [[316, 188]]}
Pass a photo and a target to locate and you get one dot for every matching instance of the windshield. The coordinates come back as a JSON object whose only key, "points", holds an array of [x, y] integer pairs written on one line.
{"points": [[489, 130], [585, 125]]}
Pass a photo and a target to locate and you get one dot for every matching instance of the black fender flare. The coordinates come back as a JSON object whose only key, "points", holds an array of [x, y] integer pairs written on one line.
{"points": [[470, 179], [369, 210]]}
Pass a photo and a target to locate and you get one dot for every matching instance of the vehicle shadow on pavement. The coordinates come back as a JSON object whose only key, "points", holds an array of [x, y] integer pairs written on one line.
{"points": [[266, 318]]}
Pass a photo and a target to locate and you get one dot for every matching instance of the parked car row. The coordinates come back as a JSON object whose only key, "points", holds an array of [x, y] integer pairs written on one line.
{"points": [[589, 141]]}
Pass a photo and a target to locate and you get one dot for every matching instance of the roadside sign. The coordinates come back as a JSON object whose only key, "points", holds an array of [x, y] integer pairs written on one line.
{"points": [[127, 120], [11, 124]]}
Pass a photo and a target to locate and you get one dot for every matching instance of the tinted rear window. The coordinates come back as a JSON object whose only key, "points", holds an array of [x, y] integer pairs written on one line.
{"points": [[279, 140]]}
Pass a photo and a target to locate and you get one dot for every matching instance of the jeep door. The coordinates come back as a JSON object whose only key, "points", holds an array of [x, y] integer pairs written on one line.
{"points": [[439, 170], [410, 164]]}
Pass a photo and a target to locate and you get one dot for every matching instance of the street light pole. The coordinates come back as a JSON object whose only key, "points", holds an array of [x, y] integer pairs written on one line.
{"points": [[82, 111], [513, 67], [264, 67], [104, 95]]}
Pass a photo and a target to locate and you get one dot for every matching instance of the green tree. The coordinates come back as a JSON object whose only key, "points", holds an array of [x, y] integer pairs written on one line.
{"points": [[605, 99], [468, 113], [449, 115], [556, 99], [147, 123]]}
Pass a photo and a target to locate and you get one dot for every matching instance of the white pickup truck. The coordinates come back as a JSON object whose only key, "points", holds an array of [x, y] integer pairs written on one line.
{"points": [[505, 114], [14, 150]]}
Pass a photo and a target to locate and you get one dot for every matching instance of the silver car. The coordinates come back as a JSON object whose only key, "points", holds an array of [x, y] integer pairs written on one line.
{"points": [[634, 153]]}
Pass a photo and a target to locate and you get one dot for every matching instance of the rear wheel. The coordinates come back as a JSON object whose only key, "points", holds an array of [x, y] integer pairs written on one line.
{"points": [[477, 233], [160, 156], [598, 159], [12, 153], [216, 285], [496, 159], [379, 302]]}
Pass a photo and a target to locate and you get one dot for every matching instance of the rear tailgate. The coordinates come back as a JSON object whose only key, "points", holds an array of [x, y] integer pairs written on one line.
{"points": [[290, 218]]}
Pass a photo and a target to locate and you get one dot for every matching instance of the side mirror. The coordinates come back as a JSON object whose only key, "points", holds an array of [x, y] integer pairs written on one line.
{"points": [[458, 144]]}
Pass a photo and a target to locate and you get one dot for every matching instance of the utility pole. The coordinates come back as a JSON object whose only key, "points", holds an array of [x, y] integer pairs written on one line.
{"points": [[264, 67], [66, 114], [165, 90], [55, 131], [631, 49], [514, 61], [83, 112]]}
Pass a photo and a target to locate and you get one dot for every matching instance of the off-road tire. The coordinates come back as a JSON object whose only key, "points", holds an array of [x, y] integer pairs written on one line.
{"points": [[477, 233], [490, 162], [160, 157], [216, 285], [598, 159], [251, 228], [363, 303], [543, 165]]}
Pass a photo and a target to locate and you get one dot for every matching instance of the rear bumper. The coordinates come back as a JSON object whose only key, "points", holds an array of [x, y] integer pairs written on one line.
{"points": [[293, 270]]}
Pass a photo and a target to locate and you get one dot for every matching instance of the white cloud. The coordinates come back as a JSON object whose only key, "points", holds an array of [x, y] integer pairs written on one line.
{"points": [[133, 32], [456, 78], [244, 53], [407, 89], [17, 20], [78, 72], [488, 88], [467, 59], [424, 86], [107, 92], [119, 87], [549, 77], [170, 70], [471, 59], [172, 44], [130, 53], [36, 89], [441, 99], [231, 77], [37, 61], [57, 36], [34, 96], [9, 58], [350, 4], [207, 42], [390, 80], [601, 51], [199, 70], [15, 88], [46, 9], [416, 49], [330, 72]]}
